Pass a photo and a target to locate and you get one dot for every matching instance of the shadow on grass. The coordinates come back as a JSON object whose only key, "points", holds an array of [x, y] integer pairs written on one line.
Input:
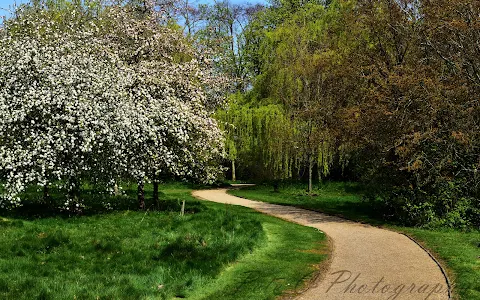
{"points": [[93, 202], [121, 253]]}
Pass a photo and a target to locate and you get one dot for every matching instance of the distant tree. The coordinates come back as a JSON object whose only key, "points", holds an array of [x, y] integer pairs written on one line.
{"points": [[257, 137], [299, 52]]}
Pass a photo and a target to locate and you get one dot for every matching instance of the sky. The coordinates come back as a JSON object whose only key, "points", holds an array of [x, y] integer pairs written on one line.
{"points": [[5, 5]]}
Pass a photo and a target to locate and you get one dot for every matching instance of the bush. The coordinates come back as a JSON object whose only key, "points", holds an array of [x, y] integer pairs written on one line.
{"points": [[439, 204]]}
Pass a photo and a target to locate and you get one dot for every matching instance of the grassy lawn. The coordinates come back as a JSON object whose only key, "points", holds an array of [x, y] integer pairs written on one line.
{"points": [[342, 199], [284, 263], [113, 252], [458, 250]]}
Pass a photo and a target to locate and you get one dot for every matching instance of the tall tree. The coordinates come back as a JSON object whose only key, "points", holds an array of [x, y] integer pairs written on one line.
{"points": [[299, 53]]}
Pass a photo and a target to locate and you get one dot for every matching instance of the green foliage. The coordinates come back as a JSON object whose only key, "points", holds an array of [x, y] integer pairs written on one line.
{"points": [[66, 16], [444, 207], [257, 135], [385, 89], [286, 45]]}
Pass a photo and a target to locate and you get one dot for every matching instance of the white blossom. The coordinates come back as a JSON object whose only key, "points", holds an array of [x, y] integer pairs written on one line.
{"points": [[101, 102]]}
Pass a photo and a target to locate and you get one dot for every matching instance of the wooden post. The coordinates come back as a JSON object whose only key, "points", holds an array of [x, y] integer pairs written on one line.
{"points": [[182, 211], [141, 195]]}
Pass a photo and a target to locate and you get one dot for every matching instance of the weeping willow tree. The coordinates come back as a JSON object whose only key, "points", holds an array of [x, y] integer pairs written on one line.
{"points": [[314, 147], [265, 138], [257, 136], [296, 74], [289, 125]]}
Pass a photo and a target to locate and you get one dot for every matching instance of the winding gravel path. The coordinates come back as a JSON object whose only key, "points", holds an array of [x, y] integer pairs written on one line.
{"points": [[367, 262]]}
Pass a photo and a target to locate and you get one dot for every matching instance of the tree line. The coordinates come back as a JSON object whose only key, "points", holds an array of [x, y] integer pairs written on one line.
{"points": [[384, 92]]}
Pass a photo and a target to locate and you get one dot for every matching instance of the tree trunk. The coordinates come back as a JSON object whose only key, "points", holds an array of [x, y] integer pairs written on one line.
{"points": [[74, 196], [141, 195], [276, 187], [74, 189], [310, 175], [46, 195], [155, 193], [234, 177]]}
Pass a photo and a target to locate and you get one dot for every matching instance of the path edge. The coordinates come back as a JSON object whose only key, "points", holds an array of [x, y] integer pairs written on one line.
{"points": [[439, 265], [316, 276], [444, 272], [435, 260]]}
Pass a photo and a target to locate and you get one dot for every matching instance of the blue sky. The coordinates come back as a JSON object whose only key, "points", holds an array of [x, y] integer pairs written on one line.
{"points": [[6, 4]]}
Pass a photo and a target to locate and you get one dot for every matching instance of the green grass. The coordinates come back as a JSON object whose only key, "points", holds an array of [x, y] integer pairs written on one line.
{"points": [[459, 250], [114, 252], [338, 198], [284, 263]]}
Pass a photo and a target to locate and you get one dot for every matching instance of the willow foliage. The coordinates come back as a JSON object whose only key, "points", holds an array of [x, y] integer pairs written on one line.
{"points": [[258, 137]]}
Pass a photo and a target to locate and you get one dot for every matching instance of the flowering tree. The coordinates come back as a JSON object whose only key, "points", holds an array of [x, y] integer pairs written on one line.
{"points": [[171, 97], [108, 97], [57, 99]]}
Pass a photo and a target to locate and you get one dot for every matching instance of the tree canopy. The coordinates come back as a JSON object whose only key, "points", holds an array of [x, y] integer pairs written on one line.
{"points": [[381, 91], [384, 92], [114, 95]]}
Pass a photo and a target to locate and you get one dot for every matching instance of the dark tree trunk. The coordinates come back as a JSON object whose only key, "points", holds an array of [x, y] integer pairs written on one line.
{"points": [[116, 190], [46, 195], [74, 196], [141, 195], [74, 189], [276, 187], [155, 192], [310, 175]]}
